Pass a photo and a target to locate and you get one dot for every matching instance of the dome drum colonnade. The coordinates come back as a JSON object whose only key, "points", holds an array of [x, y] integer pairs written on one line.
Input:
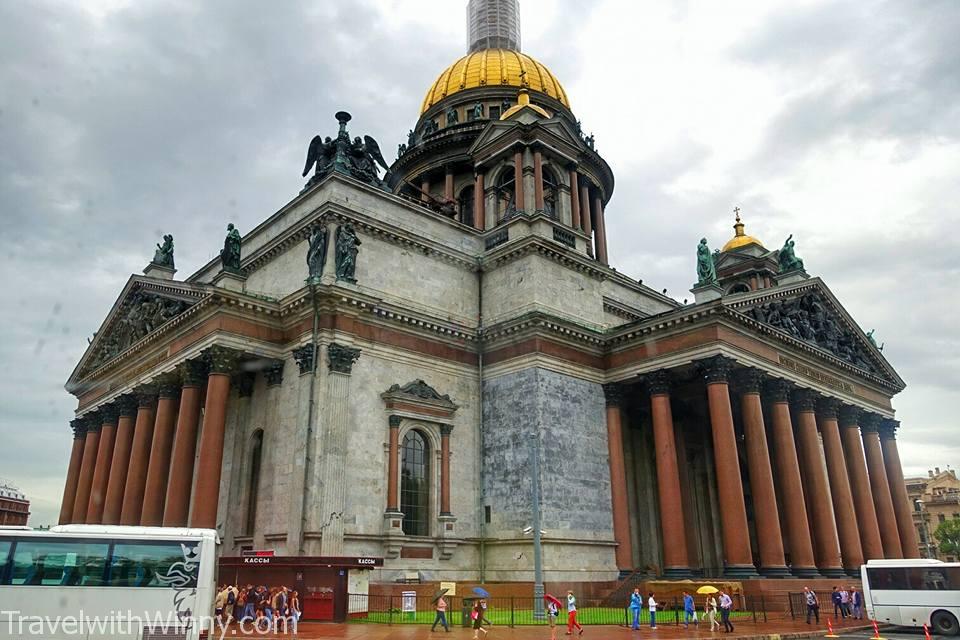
{"points": [[836, 509], [569, 184]]}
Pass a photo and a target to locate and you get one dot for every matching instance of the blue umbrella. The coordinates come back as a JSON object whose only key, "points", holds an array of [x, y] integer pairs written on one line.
{"points": [[480, 591]]}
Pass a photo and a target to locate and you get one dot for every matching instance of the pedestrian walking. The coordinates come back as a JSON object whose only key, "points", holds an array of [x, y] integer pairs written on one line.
{"points": [[726, 606], [813, 604], [250, 606], [553, 611], [441, 616], [294, 609], [636, 604], [477, 615], [652, 605], [837, 603], [856, 599], [845, 603], [711, 610], [689, 610], [572, 615]]}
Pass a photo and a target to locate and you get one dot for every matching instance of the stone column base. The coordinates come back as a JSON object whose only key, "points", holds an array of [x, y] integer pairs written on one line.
{"points": [[159, 271], [775, 572], [834, 572], [393, 534], [740, 571], [231, 281], [677, 573], [797, 275], [448, 530], [706, 292]]}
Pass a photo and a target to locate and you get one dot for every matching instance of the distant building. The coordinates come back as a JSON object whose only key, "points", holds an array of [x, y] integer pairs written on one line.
{"points": [[935, 499], [14, 506]]}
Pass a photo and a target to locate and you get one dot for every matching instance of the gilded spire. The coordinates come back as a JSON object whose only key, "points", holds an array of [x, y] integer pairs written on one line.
{"points": [[740, 238]]}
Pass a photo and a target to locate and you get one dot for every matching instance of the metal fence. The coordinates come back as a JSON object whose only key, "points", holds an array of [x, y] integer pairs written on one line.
{"points": [[518, 611]]}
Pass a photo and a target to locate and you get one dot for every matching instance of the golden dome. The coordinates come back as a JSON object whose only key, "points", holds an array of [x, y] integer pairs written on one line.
{"points": [[492, 68], [740, 239]]}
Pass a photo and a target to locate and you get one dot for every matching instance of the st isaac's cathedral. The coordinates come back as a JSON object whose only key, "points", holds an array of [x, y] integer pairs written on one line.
{"points": [[378, 371]]}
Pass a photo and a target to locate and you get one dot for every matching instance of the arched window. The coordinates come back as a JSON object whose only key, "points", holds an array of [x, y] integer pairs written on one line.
{"points": [[466, 205], [506, 194], [739, 288], [550, 192], [256, 455], [415, 484]]}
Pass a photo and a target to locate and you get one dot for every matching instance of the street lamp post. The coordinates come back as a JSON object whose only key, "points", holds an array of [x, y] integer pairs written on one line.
{"points": [[537, 549]]}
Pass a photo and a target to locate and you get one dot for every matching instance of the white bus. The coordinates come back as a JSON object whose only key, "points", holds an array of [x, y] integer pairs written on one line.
{"points": [[93, 581], [913, 593]]}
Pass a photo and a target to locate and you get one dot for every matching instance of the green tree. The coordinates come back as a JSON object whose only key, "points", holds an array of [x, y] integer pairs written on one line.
{"points": [[948, 535]]}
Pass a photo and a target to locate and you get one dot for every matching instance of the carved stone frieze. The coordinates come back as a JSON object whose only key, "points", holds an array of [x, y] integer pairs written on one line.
{"points": [[419, 393], [809, 318]]}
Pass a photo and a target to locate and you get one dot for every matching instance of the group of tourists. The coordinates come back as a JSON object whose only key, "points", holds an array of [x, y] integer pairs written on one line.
{"points": [[846, 604], [722, 603], [267, 609]]}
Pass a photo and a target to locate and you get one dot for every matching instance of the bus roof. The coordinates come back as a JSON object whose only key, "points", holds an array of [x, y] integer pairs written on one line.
{"points": [[905, 562], [119, 531]]}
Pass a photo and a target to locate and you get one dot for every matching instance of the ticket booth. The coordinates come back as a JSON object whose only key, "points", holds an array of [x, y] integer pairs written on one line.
{"points": [[322, 582]]}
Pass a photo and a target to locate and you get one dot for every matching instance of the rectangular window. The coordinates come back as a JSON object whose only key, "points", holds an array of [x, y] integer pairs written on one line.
{"points": [[888, 578], [150, 564], [494, 113], [58, 562], [4, 559], [486, 514]]}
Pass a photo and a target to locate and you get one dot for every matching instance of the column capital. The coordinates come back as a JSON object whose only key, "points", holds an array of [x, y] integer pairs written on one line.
{"points": [[716, 368], [146, 396], [613, 394], [127, 404], [804, 399], [659, 382], [750, 380], [192, 372], [222, 360], [395, 422], [304, 356], [849, 416], [109, 413], [828, 408], [93, 422], [168, 385], [79, 428], [778, 389], [340, 358], [869, 422], [888, 428], [274, 374], [244, 382], [446, 430]]}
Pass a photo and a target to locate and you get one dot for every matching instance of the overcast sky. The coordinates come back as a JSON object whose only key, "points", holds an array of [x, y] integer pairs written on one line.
{"points": [[838, 122]]}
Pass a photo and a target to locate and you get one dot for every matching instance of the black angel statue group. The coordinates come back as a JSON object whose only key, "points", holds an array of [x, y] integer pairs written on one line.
{"points": [[357, 158]]}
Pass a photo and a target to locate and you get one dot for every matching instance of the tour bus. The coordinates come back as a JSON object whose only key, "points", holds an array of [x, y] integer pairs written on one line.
{"points": [[913, 593], [99, 581]]}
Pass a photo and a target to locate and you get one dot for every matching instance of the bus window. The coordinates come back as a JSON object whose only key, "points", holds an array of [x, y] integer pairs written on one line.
{"points": [[888, 578], [4, 557], [64, 563], [141, 565]]}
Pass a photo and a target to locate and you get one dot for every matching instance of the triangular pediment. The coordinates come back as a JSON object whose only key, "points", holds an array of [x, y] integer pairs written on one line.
{"points": [[142, 308], [502, 133], [751, 253], [809, 312]]}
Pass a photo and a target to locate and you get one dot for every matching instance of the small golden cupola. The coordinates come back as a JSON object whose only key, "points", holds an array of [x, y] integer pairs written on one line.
{"points": [[740, 239]]}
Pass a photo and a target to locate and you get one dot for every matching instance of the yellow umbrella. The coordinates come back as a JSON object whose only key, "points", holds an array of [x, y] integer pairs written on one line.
{"points": [[706, 589]]}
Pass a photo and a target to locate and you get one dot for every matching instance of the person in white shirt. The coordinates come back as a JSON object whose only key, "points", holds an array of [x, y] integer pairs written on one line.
{"points": [[652, 605]]}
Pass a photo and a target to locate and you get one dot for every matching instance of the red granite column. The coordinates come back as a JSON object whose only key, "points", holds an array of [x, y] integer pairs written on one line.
{"points": [[859, 483], [538, 180], [585, 215], [73, 471], [87, 465], [101, 474], [618, 478], [601, 239], [113, 505], [879, 485], [139, 456], [518, 180], [479, 203], [737, 553], [676, 564], [574, 200], [445, 430], [393, 466], [425, 190], [177, 504], [816, 488], [222, 363], [843, 510], [158, 469], [791, 485], [766, 513], [898, 489], [448, 183]]}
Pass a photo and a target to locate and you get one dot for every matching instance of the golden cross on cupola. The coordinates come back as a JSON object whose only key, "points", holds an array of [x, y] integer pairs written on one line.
{"points": [[736, 210]]}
